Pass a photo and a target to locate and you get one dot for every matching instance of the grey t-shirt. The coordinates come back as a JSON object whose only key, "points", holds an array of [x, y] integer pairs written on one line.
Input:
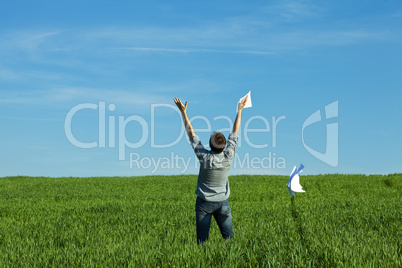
{"points": [[213, 183]]}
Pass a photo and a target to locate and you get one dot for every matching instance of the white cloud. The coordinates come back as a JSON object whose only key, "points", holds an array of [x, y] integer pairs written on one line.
{"points": [[73, 95], [194, 50], [30, 39], [269, 30], [293, 10], [40, 36], [8, 74], [31, 118]]}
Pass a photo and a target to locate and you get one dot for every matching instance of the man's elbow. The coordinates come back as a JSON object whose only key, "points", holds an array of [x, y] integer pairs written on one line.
{"points": [[190, 134]]}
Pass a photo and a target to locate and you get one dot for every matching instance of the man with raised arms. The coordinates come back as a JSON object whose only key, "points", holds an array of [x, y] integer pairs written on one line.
{"points": [[213, 183]]}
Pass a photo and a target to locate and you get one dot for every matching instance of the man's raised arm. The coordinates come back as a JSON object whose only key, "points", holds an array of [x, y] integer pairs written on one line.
{"points": [[237, 122], [186, 121]]}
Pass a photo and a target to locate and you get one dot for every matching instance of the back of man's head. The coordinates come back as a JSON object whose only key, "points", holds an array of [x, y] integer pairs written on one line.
{"points": [[217, 142]]}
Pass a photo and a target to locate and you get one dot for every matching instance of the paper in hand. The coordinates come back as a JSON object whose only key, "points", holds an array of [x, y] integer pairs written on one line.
{"points": [[248, 103], [294, 181]]}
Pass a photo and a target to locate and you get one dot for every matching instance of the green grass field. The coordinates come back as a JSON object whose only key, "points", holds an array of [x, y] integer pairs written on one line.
{"points": [[341, 221]]}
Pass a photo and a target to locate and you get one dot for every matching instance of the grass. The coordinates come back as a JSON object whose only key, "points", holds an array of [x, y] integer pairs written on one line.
{"points": [[341, 221]]}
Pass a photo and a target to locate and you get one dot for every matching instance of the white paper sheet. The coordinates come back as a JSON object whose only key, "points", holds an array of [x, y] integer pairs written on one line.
{"points": [[294, 181], [248, 103]]}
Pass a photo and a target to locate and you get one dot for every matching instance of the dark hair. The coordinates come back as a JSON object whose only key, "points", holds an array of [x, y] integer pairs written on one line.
{"points": [[217, 142]]}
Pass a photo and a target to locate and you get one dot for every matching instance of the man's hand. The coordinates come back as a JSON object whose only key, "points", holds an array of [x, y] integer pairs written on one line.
{"points": [[186, 121], [180, 105], [241, 105]]}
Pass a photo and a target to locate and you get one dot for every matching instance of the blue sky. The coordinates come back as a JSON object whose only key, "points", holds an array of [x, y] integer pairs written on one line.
{"points": [[296, 57]]}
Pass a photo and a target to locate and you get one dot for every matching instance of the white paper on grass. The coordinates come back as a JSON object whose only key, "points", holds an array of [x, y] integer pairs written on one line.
{"points": [[248, 103], [294, 181]]}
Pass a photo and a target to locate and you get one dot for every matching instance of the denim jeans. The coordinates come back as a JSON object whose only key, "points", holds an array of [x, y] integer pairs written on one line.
{"points": [[222, 214]]}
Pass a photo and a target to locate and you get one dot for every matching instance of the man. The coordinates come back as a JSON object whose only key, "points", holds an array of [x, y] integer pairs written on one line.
{"points": [[213, 184]]}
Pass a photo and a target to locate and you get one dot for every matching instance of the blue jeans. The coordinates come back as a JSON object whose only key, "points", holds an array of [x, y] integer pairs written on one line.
{"points": [[222, 214]]}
